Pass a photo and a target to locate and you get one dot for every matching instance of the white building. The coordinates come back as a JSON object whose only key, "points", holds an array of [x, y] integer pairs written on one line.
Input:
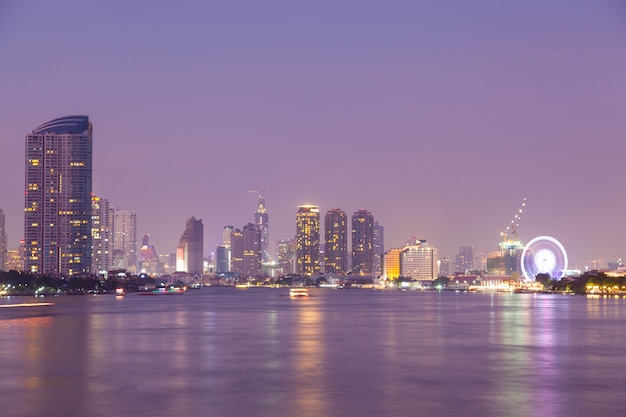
{"points": [[419, 261]]}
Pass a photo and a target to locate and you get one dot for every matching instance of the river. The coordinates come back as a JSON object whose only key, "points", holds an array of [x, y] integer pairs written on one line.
{"points": [[258, 352]]}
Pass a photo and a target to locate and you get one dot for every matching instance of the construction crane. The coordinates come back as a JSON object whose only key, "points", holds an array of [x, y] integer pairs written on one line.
{"points": [[511, 229]]}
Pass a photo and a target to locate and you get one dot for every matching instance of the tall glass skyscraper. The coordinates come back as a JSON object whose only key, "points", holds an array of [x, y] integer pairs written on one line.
{"points": [[57, 198], [308, 240], [336, 241], [125, 240], [261, 220]]}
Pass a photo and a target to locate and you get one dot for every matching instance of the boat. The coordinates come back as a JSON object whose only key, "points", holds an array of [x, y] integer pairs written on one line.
{"points": [[162, 290], [298, 292]]}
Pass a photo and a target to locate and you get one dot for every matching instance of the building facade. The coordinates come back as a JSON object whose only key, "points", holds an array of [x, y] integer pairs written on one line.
{"points": [[236, 252], [419, 262], [285, 257], [379, 249], [3, 243], [190, 248], [261, 220], [252, 250], [308, 240], [57, 206], [101, 235], [125, 240], [464, 259], [336, 241], [362, 243]]}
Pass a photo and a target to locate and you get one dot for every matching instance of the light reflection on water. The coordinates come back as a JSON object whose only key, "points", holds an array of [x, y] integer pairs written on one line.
{"points": [[224, 352]]}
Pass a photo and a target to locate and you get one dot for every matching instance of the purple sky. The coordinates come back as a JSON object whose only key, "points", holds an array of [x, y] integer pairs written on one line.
{"points": [[437, 116]]}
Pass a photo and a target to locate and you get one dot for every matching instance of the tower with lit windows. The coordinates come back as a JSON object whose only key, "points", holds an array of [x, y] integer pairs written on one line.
{"points": [[336, 241], [308, 240], [362, 242], [190, 248], [261, 220], [101, 235], [57, 198], [3, 243]]}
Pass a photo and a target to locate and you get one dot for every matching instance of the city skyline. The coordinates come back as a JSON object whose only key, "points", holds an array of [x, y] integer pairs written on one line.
{"points": [[437, 119]]}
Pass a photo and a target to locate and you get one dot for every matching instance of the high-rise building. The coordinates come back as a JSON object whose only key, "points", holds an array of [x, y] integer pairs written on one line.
{"points": [[362, 242], [227, 234], [125, 240], [336, 241], [14, 260], [392, 263], [308, 240], [3, 243], [101, 235], [419, 262], [464, 259], [57, 206], [285, 257], [190, 248], [236, 252], [251, 250], [222, 253], [379, 249], [444, 267], [261, 220]]}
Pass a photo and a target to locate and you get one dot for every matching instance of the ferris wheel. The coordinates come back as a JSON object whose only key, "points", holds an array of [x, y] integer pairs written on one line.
{"points": [[543, 255]]}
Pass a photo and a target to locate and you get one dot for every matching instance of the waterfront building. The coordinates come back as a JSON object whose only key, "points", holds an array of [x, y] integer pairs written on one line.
{"points": [[150, 263], [261, 220], [444, 266], [14, 260], [465, 259], [251, 250], [101, 236], [57, 197], [379, 249], [125, 240], [308, 240], [392, 263], [285, 257], [227, 234], [3, 243], [222, 254], [236, 252], [362, 243], [336, 241], [419, 261], [190, 248]]}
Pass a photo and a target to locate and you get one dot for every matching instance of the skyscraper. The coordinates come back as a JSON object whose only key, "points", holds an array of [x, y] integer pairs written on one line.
{"points": [[190, 248], [465, 259], [227, 233], [236, 252], [125, 240], [251, 250], [57, 206], [336, 241], [379, 249], [261, 220], [285, 257], [362, 242], [308, 240], [101, 234], [3, 243], [419, 261]]}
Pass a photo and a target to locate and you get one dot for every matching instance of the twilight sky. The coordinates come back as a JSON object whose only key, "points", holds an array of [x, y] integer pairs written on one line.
{"points": [[438, 116]]}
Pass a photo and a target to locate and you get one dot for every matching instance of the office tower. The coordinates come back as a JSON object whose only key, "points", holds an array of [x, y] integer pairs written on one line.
{"points": [[251, 250], [261, 220], [236, 252], [190, 247], [57, 206], [3, 243], [444, 267], [336, 241], [14, 260], [227, 233], [419, 261], [392, 263], [222, 254], [379, 249], [168, 262], [308, 240], [102, 242], [285, 257], [150, 263], [362, 242], [464, 259], [125, 240]]}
